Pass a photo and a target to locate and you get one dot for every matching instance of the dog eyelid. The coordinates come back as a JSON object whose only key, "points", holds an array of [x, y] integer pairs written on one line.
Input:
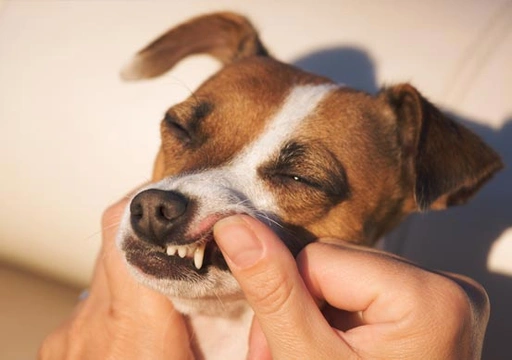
{"points": [[178, 130], [293, 178]]}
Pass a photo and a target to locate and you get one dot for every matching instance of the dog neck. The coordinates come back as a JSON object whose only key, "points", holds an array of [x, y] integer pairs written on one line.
{"points": [[213, 307], [220, 337]]}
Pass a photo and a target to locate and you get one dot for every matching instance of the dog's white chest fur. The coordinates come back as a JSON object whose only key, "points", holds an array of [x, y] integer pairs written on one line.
{"points": [[220, 338]]}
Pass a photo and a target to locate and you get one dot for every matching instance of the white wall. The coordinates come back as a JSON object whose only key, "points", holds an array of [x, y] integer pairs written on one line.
{"points": [[74, 138]]}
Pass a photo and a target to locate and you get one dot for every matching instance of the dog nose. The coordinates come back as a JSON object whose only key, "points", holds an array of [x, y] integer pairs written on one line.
{"points": [[154, 213]]}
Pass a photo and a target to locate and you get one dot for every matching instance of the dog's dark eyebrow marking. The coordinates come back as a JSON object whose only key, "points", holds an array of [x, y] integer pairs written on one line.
{"points": [[198, 113], [184, 121], [291, 153]]}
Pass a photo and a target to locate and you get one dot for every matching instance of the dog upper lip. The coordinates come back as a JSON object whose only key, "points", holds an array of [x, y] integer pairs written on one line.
{"points": [[206, 225]]}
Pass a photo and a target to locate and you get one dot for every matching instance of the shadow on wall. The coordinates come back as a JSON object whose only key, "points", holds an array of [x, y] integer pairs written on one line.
{"points": [[350, 66], [458, 239]]}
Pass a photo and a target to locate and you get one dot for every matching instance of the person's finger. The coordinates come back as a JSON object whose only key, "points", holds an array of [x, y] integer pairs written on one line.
{"points": [[395, 301], [53, 346], [110, 256], [111, 273], [108, 262], [258, 345], [357, 280], [268, 276], [112, 216], [369, 278], [119, 280]]}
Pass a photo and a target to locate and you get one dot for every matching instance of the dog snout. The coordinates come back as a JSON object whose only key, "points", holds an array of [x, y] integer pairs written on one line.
{"points": [[155, 213]]}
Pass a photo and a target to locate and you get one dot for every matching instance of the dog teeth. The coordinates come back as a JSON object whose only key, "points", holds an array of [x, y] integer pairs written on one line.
{"points": [[199, 256], [195, 252], [171, 250], [182, 251]]}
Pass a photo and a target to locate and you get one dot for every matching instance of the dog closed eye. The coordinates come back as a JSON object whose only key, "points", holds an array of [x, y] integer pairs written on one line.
{"points": [[299, 166], [184, 121], [179, 131]]}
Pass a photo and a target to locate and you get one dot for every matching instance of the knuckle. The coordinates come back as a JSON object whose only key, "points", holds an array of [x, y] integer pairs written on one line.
{"points": [[45, 349], [62, 343], [75, 329], [114, 314], [455, 305], [469, 298], [476, 293], [272, 293]]}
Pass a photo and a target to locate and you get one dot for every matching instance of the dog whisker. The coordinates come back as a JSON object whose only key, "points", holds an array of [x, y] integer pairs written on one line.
{"points": [[219, 300], [91, 236], [98, 233], [264, 216], [107, 253], [110, 226], [175, 81]]}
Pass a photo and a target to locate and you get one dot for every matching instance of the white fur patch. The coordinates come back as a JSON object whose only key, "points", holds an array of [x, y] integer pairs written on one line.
{"points": [[300, 103]]}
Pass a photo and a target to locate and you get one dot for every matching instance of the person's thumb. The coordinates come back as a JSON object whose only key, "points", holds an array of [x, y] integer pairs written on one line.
{"points": [[267, 273]]}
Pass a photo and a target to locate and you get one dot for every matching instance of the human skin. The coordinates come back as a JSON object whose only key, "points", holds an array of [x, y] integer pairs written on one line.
{"points": [[333, 301], [347, 302]]}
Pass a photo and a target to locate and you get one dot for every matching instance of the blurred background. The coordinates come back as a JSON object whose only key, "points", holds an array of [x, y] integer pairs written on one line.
{"points": [[74, 138]]}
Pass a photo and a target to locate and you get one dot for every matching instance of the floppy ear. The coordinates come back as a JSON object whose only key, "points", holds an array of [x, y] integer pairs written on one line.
{"points": [[225, 36], [448, 162]]}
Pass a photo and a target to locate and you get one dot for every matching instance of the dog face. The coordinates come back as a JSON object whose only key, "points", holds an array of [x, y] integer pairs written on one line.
{"points": [[308, 157]]}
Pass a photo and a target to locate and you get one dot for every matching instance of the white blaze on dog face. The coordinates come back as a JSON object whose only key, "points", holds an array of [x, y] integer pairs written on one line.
{"points": [[300, 104]]}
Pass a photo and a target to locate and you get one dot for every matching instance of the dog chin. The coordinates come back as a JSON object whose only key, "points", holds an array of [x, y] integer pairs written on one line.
{"points": [[214, 294]]}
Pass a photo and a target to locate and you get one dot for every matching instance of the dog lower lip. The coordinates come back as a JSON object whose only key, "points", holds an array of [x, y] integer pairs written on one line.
{"points": [[154, 261]]}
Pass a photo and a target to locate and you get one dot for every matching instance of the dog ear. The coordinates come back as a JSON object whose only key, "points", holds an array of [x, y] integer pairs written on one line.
{"points": [[448, 162], [225, 36]]}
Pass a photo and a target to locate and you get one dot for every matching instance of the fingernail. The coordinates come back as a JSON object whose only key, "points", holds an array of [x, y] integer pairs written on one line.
{"points": [[238, 241]]}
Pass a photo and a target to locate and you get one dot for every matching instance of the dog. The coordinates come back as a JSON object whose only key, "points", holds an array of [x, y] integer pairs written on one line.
{"points": [[310, 158]]}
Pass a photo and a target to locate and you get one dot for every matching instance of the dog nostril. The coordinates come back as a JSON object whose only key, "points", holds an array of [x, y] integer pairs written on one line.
{"points": [[136, 209], [167, 213], [172, 209]]}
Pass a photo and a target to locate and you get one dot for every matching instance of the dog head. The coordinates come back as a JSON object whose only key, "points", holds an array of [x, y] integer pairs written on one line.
{"points": [[308, 157]]}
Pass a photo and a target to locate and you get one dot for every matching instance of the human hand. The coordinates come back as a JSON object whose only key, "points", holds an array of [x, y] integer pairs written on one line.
{"points": [[348, 302], [120, 319]]}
